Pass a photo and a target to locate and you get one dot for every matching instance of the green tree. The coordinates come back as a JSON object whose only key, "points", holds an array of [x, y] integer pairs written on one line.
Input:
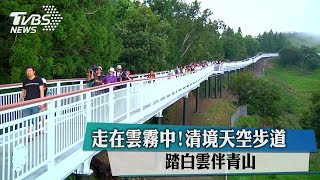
{"points": [[85, 36], [206, 44], [144, 38], [261, 95], [155, 34], [311, 119], [241, 87], [234, 45], [167, 11], [252, 45], [264, 98], [290, 56], [310, 57], [241, 46], [272, 42], [228, 32], [192, 35], [230, 48]]}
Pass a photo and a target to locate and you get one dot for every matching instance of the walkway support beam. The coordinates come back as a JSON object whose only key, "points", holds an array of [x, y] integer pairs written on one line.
{"points": [[197, 100], [159, 117], [215, 86], [185, 110], [228, 81], [159, 120], [221, 78], [209, 89]]}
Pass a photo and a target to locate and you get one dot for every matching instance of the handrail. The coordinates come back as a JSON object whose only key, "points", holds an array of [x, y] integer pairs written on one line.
{"points": [[17, 85], [132, 75], [226, 66], [38, 100]]}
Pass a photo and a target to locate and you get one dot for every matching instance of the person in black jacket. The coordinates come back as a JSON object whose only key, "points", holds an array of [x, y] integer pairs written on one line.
{"points": [[125, 77], [100, 77]]}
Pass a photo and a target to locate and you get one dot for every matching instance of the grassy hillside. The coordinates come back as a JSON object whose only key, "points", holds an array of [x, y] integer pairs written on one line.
{"points": [[297, 86], [300, 81]]}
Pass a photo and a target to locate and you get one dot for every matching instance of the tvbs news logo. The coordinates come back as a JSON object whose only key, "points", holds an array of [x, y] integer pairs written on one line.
{"points": [[24, 24]]}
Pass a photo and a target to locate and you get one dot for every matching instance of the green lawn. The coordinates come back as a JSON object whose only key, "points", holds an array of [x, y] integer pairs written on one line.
{"points": [[218, 114], [297, 86], [299, 82]]}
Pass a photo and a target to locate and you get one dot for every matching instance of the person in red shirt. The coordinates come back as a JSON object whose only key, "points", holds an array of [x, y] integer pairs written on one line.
{"points": [[151, 74]]}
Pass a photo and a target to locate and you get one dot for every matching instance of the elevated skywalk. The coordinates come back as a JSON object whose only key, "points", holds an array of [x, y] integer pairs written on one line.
{"points": [[53, 148]]}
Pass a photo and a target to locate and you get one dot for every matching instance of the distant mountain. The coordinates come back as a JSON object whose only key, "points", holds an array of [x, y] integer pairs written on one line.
{"points": [[298, 39]]}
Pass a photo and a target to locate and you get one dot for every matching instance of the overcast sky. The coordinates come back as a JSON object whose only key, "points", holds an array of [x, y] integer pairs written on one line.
{"points": [[257, 16]]}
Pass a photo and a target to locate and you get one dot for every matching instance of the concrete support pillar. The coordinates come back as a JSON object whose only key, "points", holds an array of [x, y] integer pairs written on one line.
{"points": [[206, 88], [228, 81], [221, 78], [185, 110], [197, 100], [209, 87], [215, 86], [158, 118]]}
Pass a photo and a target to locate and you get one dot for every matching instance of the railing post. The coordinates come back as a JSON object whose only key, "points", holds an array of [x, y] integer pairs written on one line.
{"points": [[58, 87], [111, 104], [141, 96], [51, 132], [185, 110], [81, 84], [128, 99], [88, 107], [81, 87]]}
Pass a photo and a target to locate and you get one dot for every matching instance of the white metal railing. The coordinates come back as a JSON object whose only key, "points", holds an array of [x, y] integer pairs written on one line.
{"points": [[58, 132], [56, 86], [59, 86], [241, 64], [65, 120], [13, 97]]}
